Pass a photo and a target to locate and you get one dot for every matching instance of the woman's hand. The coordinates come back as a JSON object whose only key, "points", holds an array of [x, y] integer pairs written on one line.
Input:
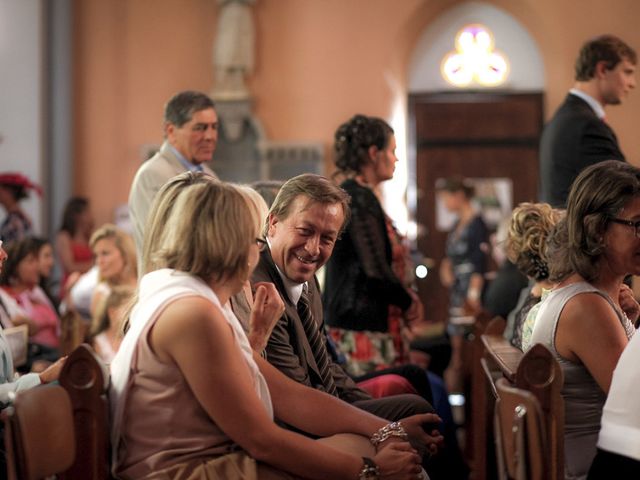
{"points": [[52, 373], [266, 310], [628, 303], [398, 461]]}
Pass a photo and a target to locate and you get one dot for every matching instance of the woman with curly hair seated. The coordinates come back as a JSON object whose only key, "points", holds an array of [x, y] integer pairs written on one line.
{"points": [[529, 228]]}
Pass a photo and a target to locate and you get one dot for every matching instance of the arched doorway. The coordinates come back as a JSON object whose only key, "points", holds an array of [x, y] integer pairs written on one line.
{"points": [[476, 132]]}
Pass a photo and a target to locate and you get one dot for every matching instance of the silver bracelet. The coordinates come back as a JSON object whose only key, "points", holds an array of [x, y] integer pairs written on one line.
{"points": [[393, 429], [369, 471]]}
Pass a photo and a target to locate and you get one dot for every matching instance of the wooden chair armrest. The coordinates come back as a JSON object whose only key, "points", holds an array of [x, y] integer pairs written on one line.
{"points": [[505, 356]]}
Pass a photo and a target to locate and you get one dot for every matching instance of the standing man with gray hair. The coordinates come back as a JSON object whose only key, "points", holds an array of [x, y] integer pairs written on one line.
{"points": [[190, 133], [578, 136]]}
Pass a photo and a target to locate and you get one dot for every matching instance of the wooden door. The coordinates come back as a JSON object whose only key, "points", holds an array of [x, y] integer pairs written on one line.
{"points": [[476, 135]]}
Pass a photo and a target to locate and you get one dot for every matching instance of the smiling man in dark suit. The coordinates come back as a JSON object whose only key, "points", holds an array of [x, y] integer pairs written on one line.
{"points": [[303, 224], [578, 136]]}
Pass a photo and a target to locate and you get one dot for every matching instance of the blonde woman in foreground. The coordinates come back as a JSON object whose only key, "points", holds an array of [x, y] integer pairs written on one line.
{"points": [[190, 400]]}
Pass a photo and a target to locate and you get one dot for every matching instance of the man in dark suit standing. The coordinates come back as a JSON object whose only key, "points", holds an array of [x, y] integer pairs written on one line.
{"points": [[578, 136]]}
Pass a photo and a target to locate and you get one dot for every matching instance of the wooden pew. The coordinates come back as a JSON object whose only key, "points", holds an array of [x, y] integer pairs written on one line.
{"points": [[39, 433], [520, 434], [85, 379], [62, 430], [480, 430], [538, 373], [500, 355], [541, 374]]}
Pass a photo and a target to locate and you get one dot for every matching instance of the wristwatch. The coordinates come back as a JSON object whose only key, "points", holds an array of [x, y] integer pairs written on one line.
{"points": [[370, 470]]}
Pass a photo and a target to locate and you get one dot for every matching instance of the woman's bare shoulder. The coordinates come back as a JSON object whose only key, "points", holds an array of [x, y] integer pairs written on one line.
{"points": [[589, 310], [188, 322], [189, 311]]}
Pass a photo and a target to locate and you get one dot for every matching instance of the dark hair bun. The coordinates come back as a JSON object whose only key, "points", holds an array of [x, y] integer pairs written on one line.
{"points": [[354, 138]]}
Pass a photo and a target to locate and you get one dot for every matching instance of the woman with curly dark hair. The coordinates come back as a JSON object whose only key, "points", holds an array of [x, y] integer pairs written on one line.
{"points": [[366, 302]]}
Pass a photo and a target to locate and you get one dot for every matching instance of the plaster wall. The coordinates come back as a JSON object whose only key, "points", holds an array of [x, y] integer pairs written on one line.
{"points": [[318, 62]]}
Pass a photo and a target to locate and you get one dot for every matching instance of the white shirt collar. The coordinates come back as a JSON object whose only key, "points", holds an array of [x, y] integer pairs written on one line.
{"points": [[294, 290], [592, 102]]}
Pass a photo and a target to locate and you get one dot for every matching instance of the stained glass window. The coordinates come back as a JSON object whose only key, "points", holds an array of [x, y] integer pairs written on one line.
{"points": [[475, 59]]}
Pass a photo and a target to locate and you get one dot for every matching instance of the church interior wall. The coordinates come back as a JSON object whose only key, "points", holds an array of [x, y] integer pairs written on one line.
{"points": [[317, 63]]}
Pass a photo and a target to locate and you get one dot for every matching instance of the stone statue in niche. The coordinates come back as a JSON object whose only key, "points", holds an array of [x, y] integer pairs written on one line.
{"points": [[233, 51]]}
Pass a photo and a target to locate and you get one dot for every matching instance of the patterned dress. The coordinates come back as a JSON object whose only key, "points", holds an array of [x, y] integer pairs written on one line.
{"points": [[365, 293], [464, 250], [367, 351]]}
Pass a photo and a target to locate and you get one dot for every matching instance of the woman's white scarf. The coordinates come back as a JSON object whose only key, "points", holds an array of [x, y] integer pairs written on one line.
{"points": [[157, 289]]}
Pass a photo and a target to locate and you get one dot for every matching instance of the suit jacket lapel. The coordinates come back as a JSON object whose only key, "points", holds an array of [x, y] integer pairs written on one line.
{"points": [[267, 268], [167, 153]]}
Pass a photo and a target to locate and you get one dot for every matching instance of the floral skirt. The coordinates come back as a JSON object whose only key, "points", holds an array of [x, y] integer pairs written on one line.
{"points": [[367, 351]]}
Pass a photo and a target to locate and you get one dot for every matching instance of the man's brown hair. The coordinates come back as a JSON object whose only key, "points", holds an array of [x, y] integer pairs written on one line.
{"points": [[316, 188], [605, 48]]}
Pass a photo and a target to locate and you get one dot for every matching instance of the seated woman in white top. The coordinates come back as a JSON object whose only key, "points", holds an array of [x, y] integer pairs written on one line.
{"points": [[585, 321], [190, 398]]}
